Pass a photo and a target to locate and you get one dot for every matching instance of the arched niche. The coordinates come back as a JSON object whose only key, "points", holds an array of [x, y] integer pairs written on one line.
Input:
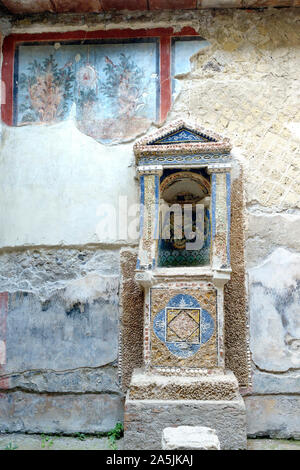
{"points": [[184, 219], [178, 162]]}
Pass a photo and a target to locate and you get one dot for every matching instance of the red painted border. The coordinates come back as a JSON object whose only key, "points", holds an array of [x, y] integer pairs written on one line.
{"points": [[164, 34], [165, 77], [8, 77]]}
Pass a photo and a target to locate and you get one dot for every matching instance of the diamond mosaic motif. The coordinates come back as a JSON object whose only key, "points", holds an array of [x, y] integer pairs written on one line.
{"points": [[183, 325]]}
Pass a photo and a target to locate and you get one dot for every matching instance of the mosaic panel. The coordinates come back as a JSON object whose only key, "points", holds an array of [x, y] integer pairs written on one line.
{"points": [[149, 185], [184, 327], [185, 159], [221, 217]]}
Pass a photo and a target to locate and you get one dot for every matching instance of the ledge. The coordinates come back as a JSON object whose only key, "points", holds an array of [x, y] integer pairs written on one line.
{"points": [[18, 7]]}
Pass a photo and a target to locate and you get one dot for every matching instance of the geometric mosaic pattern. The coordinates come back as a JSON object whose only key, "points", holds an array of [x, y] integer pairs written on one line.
{"points": [[183, 326]]}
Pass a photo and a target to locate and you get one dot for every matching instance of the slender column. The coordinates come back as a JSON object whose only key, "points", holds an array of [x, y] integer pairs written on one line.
{"points": [[149, 235], [220, 222], [149, 216], [220, 216], [220, 317]]}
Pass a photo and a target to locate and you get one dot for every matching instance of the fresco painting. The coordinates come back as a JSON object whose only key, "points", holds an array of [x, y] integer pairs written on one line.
{"points": [[182, 50], [110, 89]]}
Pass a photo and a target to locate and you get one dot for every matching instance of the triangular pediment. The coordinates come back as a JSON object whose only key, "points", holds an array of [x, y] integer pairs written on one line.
{"points": [[181, 133], [182, 136]]}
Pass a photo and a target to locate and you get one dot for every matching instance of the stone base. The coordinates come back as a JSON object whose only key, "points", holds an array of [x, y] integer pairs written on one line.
{"points": [[216, 385], [145, 420], [155, 402]]}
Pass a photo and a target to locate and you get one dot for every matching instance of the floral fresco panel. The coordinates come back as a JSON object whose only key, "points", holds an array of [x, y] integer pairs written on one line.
{"points": [[110, 88]]}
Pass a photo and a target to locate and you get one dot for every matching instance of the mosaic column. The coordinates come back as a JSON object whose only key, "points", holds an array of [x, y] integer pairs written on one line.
{"points": [[220, 221], [220, 216], [149, 215], [149, 235]]}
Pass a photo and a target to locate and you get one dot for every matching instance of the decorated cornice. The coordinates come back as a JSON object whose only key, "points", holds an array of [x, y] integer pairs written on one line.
{"points": [[181, 138]]}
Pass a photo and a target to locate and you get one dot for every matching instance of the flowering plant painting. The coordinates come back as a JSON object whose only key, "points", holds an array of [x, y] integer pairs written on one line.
{"points": [[120, 87], [124, 85], [49, 91], [109, 90], [87, 91]]}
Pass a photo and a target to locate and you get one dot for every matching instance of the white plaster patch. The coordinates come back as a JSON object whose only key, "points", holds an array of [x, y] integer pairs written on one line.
{"points": [[2, 353], [91, 287], [294, 128], [280, 270], [53, 179], [236, 166], [190, 437], [274, 312], [266, 231]]}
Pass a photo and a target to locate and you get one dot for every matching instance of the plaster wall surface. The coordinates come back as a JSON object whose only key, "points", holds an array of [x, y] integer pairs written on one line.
{"points": [[66, 182], [245, 86], [59, 321]]}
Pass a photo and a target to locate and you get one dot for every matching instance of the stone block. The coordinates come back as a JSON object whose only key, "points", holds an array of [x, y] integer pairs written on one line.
{"points": [[121, 5], [29, 6], [190, 438], [144, 421], [273, 416], [83, 380], [59, 413], [268, 383], [54, 335], [221, 4], [171, 4], [81, 6]]}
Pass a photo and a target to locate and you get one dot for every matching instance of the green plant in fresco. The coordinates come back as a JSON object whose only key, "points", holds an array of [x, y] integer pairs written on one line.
{"points": [[86, 90], [49, 90], [124, 85]]}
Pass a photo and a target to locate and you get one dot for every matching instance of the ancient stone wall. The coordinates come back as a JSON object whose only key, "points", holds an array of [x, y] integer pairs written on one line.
{"points": [[60, 310], [59, 320]]}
